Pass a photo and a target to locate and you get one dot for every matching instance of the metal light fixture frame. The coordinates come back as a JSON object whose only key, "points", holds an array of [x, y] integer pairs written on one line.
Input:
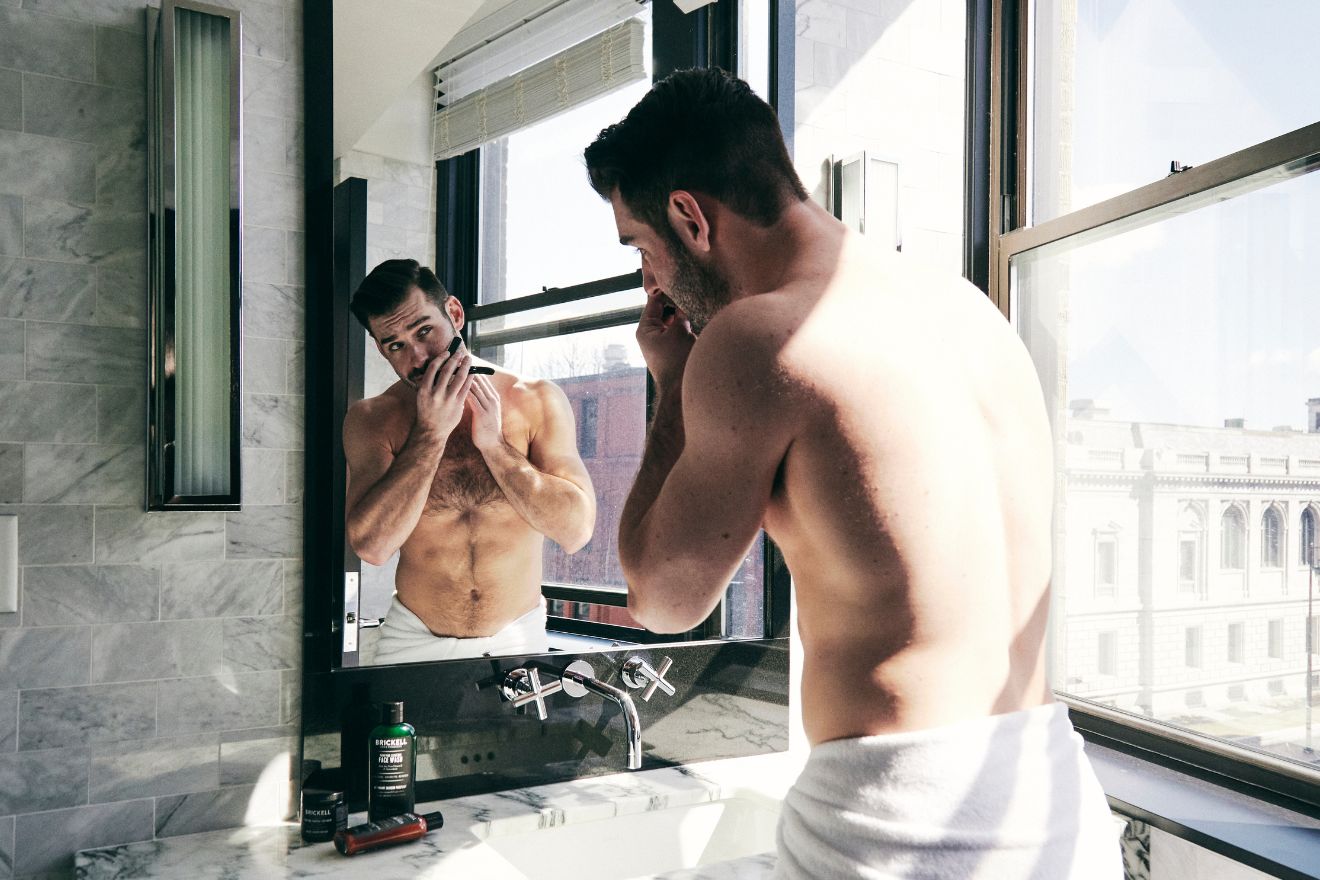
{"points": [[162, 295]]}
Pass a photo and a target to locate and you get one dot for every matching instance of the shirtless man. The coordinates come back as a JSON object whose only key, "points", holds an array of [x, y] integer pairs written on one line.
{"points": [[463, 474], [885, 426]]}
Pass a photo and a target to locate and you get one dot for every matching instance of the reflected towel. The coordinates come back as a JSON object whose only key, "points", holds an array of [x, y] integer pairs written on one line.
{"points": [[404, 638], [1008, 797]]}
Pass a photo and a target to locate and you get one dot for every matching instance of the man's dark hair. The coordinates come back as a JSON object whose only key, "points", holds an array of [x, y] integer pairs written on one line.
{"points": [[699, 130], [387, 286]]}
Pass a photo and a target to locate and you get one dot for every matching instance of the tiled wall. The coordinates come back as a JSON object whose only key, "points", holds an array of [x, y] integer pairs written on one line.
{"points": [[150, 678]]}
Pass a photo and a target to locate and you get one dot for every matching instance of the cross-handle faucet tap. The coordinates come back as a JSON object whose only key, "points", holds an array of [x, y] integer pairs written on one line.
{"points": [[637, 673], [523, 686], [578, 678]]}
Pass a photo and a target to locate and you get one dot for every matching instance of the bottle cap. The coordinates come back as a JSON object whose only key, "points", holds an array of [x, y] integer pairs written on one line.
{"points": [[321, 798], [391, 713]]}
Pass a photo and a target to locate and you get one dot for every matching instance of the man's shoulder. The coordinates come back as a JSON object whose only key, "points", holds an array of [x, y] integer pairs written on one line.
{"points": [[371, 413]]}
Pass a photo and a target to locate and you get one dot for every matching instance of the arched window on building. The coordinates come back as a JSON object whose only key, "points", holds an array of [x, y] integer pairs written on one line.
{"points": [[1191, 544], [1233, 540], [1306, 540], [1271, 538]]}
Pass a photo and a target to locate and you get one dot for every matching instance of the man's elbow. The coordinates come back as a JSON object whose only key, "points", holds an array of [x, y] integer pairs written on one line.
{"points": [[657, 615], [369, 551], [579, 533]]}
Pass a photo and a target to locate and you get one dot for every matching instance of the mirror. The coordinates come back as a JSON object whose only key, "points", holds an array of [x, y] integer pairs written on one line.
{"points": [[542, 292]]}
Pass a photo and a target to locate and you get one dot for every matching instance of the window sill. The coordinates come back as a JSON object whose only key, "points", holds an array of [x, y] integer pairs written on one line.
{"points": [[1267, 836]]}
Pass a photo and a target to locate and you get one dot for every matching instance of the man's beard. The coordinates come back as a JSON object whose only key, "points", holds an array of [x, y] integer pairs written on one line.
{"points": [[696, 289]]}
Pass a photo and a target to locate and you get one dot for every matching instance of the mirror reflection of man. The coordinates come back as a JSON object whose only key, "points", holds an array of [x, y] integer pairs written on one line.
{"points": [[886, 426], [463, 474]]}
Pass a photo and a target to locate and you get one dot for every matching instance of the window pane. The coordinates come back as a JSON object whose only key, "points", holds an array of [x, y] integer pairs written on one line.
{"points": [[1187, 437], [1122, 89], [542, 224], [604, 377]]}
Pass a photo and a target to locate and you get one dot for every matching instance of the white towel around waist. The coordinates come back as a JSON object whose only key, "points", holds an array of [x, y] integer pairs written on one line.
{"points": [[404, 638], [1007, 797]]}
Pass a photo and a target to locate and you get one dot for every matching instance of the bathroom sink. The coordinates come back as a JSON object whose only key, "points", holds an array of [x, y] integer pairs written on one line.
{"points": [[644, 844]]}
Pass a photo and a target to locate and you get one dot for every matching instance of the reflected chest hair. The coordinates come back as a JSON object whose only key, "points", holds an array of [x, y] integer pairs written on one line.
{"points": [[462, 482]]}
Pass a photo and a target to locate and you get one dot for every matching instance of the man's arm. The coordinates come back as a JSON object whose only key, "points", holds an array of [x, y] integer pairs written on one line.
{"points": [[714, 449], [549, 487], [387, 493]]}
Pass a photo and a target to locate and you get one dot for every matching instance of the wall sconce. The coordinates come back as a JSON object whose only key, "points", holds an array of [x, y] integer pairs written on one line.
{"points": [[194, 242]]}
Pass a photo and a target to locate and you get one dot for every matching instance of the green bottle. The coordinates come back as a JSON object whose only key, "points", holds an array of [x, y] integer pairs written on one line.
{"points": [[393, 749]]}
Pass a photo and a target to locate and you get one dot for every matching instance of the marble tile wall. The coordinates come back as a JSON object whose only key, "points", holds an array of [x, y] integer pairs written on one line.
{"points": [[149, 681]]}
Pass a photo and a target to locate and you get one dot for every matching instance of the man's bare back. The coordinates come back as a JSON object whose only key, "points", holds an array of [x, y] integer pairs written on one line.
{"points": [[913, 503], [885, 426]]}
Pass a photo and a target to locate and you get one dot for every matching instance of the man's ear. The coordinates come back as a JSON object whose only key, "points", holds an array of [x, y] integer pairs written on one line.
{"points": [[454, 309], [689, 220]]}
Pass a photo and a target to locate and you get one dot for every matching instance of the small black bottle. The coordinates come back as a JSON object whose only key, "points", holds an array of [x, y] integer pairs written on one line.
{"points": [[392, 747]]}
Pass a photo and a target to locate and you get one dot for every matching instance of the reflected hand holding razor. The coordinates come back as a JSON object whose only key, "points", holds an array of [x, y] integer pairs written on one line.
{"points": [[453, 349]]}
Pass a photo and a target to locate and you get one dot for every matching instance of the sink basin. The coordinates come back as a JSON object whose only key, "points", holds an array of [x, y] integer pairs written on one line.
{"points": [[644, 844]]}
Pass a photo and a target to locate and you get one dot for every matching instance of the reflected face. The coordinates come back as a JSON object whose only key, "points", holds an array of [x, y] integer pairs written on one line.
{"points": [[414, 334], [669, 268]]}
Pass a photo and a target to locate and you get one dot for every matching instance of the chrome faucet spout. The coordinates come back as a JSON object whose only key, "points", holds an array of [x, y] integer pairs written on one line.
{"points": [[578, 678]]}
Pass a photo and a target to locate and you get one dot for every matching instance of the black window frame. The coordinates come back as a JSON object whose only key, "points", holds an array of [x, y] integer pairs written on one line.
{"points": [[1152, 772]]}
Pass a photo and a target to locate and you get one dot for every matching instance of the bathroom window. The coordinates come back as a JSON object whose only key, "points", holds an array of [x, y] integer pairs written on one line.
{"points": [[1169, 183], [558, 298], [1106, 566]]}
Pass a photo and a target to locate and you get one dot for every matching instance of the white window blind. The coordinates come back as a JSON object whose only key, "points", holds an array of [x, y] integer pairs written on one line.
{"points": [[603, 63]]}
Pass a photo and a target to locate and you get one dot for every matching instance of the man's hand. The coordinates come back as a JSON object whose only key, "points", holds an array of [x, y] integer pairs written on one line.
{"points": [[442, 393], [487, 419], [665, 340]]}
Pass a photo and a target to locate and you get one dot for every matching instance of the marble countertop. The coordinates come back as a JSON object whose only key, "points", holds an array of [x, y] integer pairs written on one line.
{"points": [[457, 849]]}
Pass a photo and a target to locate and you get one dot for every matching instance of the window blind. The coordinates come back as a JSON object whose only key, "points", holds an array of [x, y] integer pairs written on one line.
{"points": [[603, 63]]}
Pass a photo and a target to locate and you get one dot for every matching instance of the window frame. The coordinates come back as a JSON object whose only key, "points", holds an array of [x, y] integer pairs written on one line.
{"points": [[1273, 552], [708, 37], [999, 54]]}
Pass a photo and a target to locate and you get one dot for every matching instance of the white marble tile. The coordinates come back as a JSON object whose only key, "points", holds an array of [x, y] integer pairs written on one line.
{"points": [[111, 118], [130, 534], [84, 353], [39, 412], [52, 535], [44, 657], [156, 649], [74, 716], [87, 594], [39, 291], [34, 781], [13, 349], [153, 767], [47, 166], [120, 59], [11, 100], [230, 588], [44, 843], [221, 702], [11, 473], [269, 532], [43, 44], [252, 644]]}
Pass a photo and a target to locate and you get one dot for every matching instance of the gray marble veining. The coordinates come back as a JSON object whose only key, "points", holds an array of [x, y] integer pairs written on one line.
{"points": [[229, 588], [127, 533], [87, 594], [121, 178], [111, 118], [47, 166], [6, 847], [222, 702], [202, 811], [43, 44], [293, 475], [157, 649], [245, 755], [52, 535], [11, 473], [264, 364], [121, 414], [33, 412], [263, 475], [66, 232], [154, 767], [33, 781], [268, 532], [120, 60], [11, 225], [269, 88], [40, 291], [273, 310], [8, 721], [121, 294], [13, 349], [44, 842], [83, 474], [44, 657], [263, 30], [78, 716], [85, 353], [273, 199], [252, 644], [11, 100], [264, 252]]}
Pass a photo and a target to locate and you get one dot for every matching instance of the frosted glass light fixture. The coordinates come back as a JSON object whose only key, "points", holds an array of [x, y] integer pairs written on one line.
{"points": [[194, 196]]}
